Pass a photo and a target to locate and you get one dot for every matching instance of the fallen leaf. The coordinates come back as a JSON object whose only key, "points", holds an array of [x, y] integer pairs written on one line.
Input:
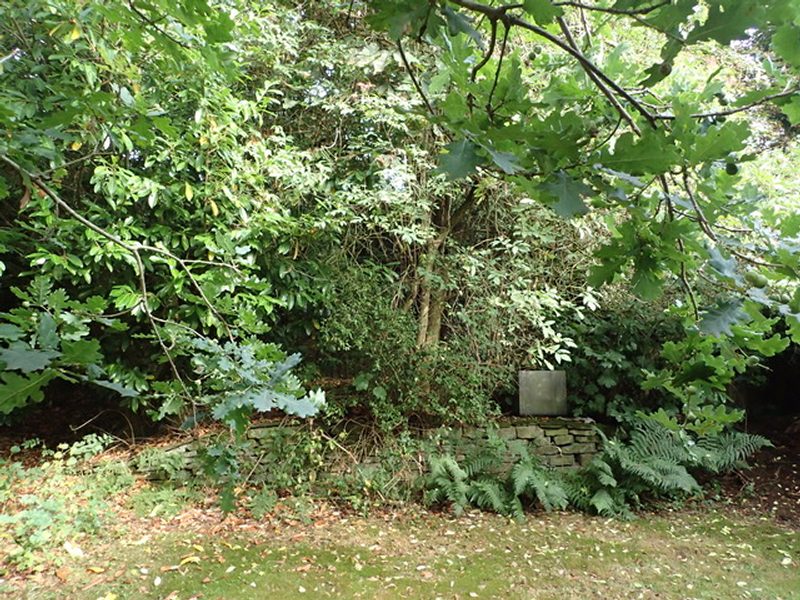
{"points": [[96, 569], [166, 568], [190, 559], [72, 549], [63, 573]]}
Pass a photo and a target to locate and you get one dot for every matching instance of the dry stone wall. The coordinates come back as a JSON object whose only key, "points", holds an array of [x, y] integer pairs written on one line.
{"points": [[558, 442]]}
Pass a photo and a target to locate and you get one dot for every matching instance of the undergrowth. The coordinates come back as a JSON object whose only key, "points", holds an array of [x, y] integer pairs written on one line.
{"points": [[46, 509], [653, 463]]}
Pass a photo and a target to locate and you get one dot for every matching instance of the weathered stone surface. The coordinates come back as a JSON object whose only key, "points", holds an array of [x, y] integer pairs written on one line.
{"points": [[563, 440], [507, 433], [579, 449], [530, 432], [555, 432], [474, 434], [547, 450], [561, 461], [554, 423], [542, 393], [585, 459]]}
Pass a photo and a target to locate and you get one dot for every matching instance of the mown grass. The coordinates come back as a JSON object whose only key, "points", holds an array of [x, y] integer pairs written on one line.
{"points": [[704, 554]]}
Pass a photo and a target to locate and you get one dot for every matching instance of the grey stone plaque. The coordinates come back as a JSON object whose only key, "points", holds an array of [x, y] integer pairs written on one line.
{"points": [[542, 393]]}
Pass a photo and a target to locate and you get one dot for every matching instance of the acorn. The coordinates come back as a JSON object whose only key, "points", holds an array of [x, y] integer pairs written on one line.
{"points": [[756, 279]]}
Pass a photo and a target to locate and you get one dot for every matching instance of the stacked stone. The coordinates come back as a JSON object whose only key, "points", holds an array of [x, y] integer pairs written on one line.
{"points": [[557, 442]]}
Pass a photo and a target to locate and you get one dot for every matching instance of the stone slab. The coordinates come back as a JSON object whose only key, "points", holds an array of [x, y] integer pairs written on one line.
{"points": [[530, 432], [563, 440], [542, 393], [561, 461], [579, 449], [557, 432], [507, 433]]}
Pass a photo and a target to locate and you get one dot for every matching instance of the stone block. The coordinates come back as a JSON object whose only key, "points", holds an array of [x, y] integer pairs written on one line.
{"points": [[563, 440], [562, 461], [530, 432], [542, 393], [556, 432], [474, 433], [585, 459], [547, 450], [507, 433], [579, 449]]}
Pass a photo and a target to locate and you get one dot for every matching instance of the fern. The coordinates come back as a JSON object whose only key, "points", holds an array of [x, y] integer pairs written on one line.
{"points": [[487, 494], [528, 478], [447, 482], [727, 450]]}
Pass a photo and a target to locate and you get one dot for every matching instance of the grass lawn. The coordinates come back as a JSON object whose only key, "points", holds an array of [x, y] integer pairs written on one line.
{"points": [[709, 553]]}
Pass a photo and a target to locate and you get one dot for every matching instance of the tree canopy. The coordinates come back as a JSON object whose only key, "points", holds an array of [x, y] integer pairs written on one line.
{"points": [[421, 196]]}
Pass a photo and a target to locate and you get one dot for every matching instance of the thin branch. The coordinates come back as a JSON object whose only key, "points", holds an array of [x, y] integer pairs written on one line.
{"points": [[598, 82], [707, 228], [155, 26], [682, 247], [414, 80], [732, 111], [501, 13], [701, 217], [497, 71], [489, 52], [615, 11], [69, 163]]}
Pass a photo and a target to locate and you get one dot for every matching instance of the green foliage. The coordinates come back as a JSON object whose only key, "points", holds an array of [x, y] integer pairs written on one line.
{"points": [[616, 349], [57, 502], [375, 344], [142, 203], [655, 462], [157, 463], [483, 479], [49, 336]]}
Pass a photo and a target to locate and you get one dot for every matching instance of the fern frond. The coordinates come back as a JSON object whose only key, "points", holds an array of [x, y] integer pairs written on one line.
{"points": [[481, 463], [487, 494], [521, 473], [727, 450]]}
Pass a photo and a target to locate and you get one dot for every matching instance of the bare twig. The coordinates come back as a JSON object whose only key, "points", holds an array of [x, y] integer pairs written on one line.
{"points": [[154, 25], [497, 71], [489, 51], [414, 79]]}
